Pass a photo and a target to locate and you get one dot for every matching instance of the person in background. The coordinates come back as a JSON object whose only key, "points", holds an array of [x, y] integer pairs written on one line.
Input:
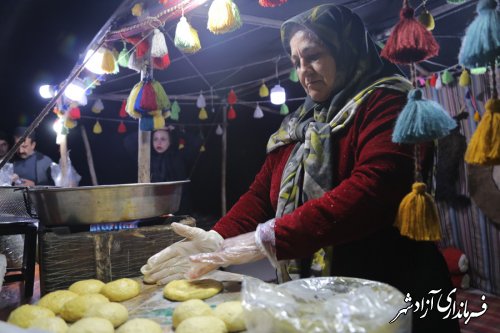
{"points": [[4, 144], [31, 167], [332, 180], [167, 164]]}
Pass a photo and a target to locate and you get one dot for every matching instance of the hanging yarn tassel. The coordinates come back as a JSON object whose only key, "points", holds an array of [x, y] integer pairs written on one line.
{"points": [[484, 146], [410, 41], [257, 114], [231, 114], [131, 101], [162, 100], [271, 3], [481, 42], [203, 115], [264, 90], [200, 101], [182, 143], [122, 128], [478, 70], [161, 62], [202, 148], [134, 63], [146, 124], [69, 124], [439, 82], [219, 130], [175, 110], [284, 109], [421, 81], [231, 97], [186, 37], [158, 120], [417, 216], [98, 106], [294, 77], [427, 20], [433, 80], [74, 113], [148, 97], [464, 80], [223, 16], [477, 116], [123, 111], [158, 44], [123, 56], [421, 120], [97, 129], [447, 77], [137, 9], [108, 64]]}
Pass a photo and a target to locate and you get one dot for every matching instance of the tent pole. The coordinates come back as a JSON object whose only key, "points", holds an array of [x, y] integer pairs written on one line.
{"points": [[88, 152], [224, 161], [144, 137]]}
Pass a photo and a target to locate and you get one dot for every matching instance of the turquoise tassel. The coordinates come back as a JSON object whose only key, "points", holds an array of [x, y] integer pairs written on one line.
{"points": [[481, 43], [421, 120], [146, 124]]}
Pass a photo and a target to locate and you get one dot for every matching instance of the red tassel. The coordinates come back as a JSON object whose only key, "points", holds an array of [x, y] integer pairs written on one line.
{"points": [[182, 143], [141, 45], [123, 109], [161, 62], [231, 114], [410, 41], [75, 113], [271, 3], [231, 98], [148, 100], [121, 128], [433, 80]]}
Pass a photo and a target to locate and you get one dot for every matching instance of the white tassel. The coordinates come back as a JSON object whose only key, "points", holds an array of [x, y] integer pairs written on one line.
{"points": [[219, 130], [158, 44], [133, 63], [98, 106], [439, 83], [200, 102], [257, 114]]}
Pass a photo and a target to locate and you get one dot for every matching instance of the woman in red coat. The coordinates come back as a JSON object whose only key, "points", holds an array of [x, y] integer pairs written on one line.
{"points": [[332, 179]]}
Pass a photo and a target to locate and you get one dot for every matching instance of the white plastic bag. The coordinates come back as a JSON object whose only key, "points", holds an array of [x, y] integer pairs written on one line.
{"points": [[6, 174], [72, 177]]}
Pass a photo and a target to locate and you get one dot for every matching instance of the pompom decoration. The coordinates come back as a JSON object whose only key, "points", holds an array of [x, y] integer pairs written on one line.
{"points": [[123, 112], [97, 129], [175, 110], [98, 106], [109, 64], [123, 56], [447, 77], [257, 114], [158, 44], [223, 16], [433, 80], [161, 62], [271, 3], [141, 45], [146, 124], [417, 216], [69, 124], [186, 37], [293, 75], [137, 9], [421, 120], [200, 101], [74, 113], [263, 90], [134, 63], [231, 114], [478, 70], [284, 109], [203, 115], [477, 116], [231, 97], [122, 128], [202, 148], [481, 43], [464, 80], [427, 20], [219, 130], [484, 145], [410, 41], [182, 143], [439, 82]]}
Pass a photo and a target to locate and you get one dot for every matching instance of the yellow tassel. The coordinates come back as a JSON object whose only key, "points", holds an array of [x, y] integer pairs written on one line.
{"points": [[464, 80], [427, 20], [68, 123], [203, 115], [202, 149], [417, 216], [97, 128], [108, 64], [137, 9], [131, 101], [264, 90], [223, 16], [484, 146], [186, 37], [477, 116], [158, 121]]}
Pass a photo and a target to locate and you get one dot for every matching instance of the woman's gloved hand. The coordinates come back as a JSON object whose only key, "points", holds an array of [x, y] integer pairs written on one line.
{"points": [[236, 250], [172, 262]]}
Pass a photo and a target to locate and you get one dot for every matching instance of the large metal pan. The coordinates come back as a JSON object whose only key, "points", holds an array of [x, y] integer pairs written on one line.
{"points": [[105, 203]]}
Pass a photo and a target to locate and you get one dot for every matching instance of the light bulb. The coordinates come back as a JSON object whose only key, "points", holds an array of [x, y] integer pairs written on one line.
{"points": [[47, 91], [57, 126], [94, 64], [75, 91], [278, 95]]}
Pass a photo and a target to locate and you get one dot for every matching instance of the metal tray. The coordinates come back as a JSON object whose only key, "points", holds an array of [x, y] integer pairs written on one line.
{"points": [[105, 203]]}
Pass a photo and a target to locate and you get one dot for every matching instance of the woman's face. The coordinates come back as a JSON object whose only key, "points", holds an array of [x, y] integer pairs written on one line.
{"points": [[315, 66], [161, 141]]}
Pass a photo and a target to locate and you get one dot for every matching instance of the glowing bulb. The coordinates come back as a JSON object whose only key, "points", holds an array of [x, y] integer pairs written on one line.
{"points": [[47, 91], [278, 95], [75, 91], [93, 61], [58, 125]]}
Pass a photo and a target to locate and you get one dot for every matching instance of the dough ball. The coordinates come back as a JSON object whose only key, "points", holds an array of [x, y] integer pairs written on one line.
{"points": [[231, 313], [78, 306], [121, 289], [188, 309], [24, 315], [183, 290], [52, 324], [205, 324], [92, 325], [91, 286], [56, 299], [140, 325], [116, 313]]}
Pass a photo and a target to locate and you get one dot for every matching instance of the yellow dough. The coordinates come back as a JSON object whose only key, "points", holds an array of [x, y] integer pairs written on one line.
{"points": [[116, 313], [121, 289], [52, 324], [78, 306], [183, 290], [91, 286], [140, 325], [188, 309], [56, 299], [24, 315], [92, 325], [231, 313], [205, 324]]}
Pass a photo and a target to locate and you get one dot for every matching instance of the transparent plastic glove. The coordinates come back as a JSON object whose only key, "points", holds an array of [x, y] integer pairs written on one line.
{"points": [[237, 250], [173, 262]]}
